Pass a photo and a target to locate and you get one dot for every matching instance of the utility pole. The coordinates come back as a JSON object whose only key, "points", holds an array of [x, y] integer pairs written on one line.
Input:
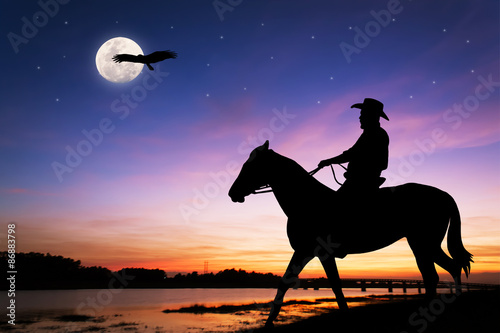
{"points": [[205, 270]]}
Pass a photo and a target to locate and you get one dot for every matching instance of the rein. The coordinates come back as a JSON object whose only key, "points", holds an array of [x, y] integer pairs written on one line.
{"points": [[267, 188]]}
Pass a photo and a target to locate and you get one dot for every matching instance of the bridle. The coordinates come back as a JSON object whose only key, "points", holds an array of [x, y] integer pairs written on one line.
{"points": [[267, 188]]}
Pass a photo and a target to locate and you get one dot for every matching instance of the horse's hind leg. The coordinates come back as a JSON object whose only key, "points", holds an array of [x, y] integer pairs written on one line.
{"points": [[425, 255], [332, 273], [431, 278], [443, 260], [290, 278]]}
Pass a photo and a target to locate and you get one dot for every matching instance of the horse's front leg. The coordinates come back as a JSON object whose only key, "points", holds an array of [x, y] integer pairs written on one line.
{"points": [[332, 273], [289, 279]]}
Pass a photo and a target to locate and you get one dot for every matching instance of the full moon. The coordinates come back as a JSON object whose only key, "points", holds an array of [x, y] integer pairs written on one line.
{"points": [[118, 72]]}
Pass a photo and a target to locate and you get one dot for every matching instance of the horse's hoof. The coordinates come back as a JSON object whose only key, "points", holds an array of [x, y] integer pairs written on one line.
{"points": [[269, 325]]}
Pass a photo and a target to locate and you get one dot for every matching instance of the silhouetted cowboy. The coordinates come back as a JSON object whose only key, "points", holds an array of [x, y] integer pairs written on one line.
{"points": [[369, 155]]}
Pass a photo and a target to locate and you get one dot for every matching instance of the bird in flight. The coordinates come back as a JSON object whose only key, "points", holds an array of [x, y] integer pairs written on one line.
{"points": [[146, 59]]}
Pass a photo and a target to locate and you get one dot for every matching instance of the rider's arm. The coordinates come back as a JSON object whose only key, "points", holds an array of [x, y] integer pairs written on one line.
{"points": [[342, 158]]}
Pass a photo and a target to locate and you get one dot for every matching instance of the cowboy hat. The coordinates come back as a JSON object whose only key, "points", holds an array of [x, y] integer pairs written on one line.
{"points": [[373, 105]]}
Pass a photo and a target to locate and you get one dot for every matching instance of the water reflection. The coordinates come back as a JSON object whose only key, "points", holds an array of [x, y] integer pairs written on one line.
{"points": [[142, 309]]}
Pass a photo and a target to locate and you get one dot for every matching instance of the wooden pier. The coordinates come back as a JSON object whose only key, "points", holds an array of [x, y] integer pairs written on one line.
{"points": [[391, 284]]}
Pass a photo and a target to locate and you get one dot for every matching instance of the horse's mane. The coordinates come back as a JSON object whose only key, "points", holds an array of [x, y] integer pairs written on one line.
{"points": [[296, 172]]}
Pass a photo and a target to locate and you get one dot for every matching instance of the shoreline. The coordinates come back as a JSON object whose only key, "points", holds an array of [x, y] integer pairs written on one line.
{"points": [[475, 311], [232, 308]]}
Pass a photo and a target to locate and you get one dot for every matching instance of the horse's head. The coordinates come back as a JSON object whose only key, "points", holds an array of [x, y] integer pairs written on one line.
{"points": [[252, 175]]}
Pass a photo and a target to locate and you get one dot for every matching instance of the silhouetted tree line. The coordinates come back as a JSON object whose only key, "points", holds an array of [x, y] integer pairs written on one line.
{"points": [[46, 271], [226, 278], [135, 276]]}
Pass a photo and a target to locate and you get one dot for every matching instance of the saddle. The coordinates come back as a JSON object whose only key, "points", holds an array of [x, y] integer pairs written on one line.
{"points": [[362, 198]]}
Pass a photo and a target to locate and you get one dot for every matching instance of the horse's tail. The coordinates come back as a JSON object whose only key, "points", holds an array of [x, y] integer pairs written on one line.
{"points": [[455, 245]]}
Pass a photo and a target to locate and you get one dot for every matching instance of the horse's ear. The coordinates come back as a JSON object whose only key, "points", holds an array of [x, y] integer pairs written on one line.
{"points": [[266, 145]]}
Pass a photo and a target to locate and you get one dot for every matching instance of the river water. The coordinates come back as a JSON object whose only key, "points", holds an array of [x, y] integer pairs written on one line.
{"points": [[141, 310]]}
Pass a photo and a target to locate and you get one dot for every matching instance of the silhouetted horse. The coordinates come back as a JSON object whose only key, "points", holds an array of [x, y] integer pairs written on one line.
{"points": [[322, 224]]}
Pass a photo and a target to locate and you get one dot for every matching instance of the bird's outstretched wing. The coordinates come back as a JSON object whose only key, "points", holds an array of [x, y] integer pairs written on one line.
{"points": [[128, 58], [159, 56], [148, 59]]}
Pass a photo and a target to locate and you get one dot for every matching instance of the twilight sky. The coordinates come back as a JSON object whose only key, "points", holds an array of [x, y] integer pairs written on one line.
{"points": [[143, 168]]}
